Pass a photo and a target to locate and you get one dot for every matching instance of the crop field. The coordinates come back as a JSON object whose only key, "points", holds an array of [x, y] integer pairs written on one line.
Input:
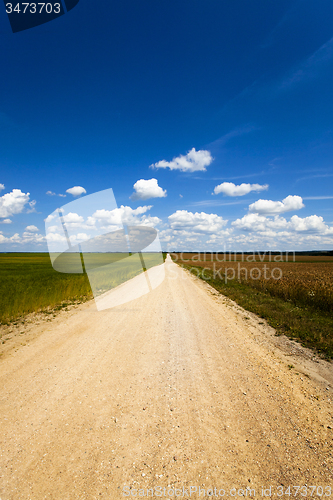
{"points": [[295, 294], [28, 282]]}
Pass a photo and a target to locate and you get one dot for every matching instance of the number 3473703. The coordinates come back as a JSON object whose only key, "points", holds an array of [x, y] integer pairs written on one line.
{"points": [[33, 8]]}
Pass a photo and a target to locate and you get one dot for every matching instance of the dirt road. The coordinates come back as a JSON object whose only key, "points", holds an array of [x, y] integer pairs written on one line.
{"points": [[178, 388]]}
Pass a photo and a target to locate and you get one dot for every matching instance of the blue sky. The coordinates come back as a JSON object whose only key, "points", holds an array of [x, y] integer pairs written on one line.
{"points": [[218, 112]]}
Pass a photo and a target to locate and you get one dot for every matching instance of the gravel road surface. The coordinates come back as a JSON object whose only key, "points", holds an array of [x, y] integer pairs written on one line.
{"points": [[177, 388]]}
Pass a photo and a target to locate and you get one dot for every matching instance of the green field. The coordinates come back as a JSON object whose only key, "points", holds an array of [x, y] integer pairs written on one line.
{"points": [[28, 282]]}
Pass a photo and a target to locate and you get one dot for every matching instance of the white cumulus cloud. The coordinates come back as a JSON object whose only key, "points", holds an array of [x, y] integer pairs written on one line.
{"points": [[76, 191], [50, 217], [125, 215], [73, 218], [13, 203], [2, 187], [53, 237], [145, 189], [256, 222], [32, 229], [280, 227], [78, 238], [231, 189], [193, 161], [6, 221], [288, 204], [26, 238], [196, 222], [312, 224]]}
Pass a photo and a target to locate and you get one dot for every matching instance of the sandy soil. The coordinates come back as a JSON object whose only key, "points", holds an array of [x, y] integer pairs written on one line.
{"points": [[178, 388]]}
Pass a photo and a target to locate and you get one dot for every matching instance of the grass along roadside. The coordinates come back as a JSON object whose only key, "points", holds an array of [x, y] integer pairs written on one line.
{"points": [[311, 326], [29, 284]]}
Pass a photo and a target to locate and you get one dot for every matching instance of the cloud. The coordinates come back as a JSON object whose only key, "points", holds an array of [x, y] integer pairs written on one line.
{"points": [[256, 222], [32, 229], [145, 189], [12, 239], [193, 161], [230, 189], [54, 237], [76, 191], [289, 203], [125, 215], [2, 187], [94, 226], [196, 222], [53, 229], [50, 217], [78, 238], [312, 224], [6, 221], [13, 203], [26, 238], [73, 218], [186, 238], [51, 193], [32, 209], [280, 227]]}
